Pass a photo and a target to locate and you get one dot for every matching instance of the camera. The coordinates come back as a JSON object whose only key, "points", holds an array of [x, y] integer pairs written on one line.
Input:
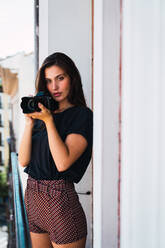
{"points": [[30, 104]]}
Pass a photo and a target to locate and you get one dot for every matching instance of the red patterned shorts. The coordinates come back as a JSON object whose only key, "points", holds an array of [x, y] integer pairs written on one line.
{"points": [[53, 207]]}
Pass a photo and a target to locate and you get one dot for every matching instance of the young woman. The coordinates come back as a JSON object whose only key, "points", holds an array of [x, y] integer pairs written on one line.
{"points": [[56, 148]]}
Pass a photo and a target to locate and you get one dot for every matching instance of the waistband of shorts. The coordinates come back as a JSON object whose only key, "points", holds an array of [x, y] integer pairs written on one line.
{"points": [[49, 185]]}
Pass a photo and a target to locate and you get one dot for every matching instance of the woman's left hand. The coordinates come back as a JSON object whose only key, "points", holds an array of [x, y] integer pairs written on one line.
{"points": [[45, 114]]}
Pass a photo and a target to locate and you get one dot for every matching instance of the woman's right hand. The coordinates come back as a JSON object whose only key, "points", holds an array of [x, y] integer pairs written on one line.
{"points": [[29, 121]]}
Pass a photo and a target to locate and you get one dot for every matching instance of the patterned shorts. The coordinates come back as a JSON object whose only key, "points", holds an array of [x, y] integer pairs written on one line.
{"points": [[53, 207]]}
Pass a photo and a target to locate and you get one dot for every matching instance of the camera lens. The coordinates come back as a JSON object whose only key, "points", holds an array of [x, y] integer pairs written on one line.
{"points": [[31, 105]]}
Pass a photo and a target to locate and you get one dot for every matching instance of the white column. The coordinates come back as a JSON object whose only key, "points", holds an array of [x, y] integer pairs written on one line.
{"points": [[106, 123], [65, 26], [143, 119], [161, 200], [43, 30]]}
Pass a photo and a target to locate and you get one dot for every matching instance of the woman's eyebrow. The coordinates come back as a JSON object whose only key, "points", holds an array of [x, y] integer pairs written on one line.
{"points": [[58, 75]]}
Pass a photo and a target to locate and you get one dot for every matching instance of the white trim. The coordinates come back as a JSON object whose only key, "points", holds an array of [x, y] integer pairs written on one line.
{"points": [[98, 123], [106, 122], [43, 31]]}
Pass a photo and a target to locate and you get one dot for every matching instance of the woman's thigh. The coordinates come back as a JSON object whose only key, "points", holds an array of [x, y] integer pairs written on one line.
{"points": [[40, 240], [78, 244]]}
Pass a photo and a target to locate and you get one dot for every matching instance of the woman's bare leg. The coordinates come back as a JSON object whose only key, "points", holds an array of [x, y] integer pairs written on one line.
{"points": [[40, 240], [78, 244]]}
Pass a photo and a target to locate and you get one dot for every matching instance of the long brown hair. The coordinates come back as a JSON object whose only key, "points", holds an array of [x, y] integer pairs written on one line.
{"points": [[76, 94]]}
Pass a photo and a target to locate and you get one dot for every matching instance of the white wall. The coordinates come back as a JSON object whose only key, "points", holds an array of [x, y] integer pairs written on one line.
{"points": [[143, 119], [106, 122], [65, 26], [161, 199]]}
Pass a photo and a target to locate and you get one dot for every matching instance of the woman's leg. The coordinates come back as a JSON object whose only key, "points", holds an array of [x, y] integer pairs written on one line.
{"points": [[40, 240], [78, 244]]}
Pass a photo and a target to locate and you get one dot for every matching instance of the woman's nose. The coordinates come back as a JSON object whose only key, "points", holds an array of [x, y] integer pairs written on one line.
{"points": [[54, 85]]}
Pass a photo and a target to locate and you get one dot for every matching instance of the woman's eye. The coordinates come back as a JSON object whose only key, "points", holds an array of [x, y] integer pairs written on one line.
{"points": [[61, 78]]}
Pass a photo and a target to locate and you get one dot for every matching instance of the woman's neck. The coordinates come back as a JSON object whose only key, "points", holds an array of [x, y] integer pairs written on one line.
{"points": [[61, 109]]}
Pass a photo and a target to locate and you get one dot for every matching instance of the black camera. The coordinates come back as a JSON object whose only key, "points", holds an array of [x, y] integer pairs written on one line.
{"points": [[30, 104]]}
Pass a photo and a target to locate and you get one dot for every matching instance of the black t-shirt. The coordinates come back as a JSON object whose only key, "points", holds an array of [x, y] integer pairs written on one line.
{"points": [[76, 119]]}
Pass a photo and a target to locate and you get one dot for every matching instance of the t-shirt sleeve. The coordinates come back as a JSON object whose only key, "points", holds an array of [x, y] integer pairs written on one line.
{"points": [[81, 122]]}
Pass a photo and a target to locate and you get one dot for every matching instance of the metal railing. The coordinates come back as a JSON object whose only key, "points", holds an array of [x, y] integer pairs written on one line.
{"points": [[21, 222]]}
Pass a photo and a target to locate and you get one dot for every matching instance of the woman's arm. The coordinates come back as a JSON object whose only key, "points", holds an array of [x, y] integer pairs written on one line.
{"points": [[64, 154], [24, 153]]}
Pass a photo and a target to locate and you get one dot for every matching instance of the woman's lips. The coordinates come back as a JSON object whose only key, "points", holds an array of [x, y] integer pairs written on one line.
{"points": [[57, 94]]}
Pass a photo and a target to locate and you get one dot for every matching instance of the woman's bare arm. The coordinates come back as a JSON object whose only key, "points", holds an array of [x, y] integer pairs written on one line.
{"points": [[64, 154], [24, 153]]}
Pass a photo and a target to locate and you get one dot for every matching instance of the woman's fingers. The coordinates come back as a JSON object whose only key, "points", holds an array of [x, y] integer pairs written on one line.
{"points": [[41, 106], [43, 115]]}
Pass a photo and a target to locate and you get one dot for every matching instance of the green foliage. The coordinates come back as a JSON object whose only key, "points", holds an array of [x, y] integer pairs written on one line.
{"points": [[3, 184]]}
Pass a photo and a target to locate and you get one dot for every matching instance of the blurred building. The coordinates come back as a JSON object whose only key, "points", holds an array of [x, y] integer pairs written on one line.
{"points": [[5, 118], [17, 77]]}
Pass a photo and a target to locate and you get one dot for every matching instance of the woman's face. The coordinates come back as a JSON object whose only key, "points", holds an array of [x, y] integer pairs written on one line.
{"points": [[57, 81]]}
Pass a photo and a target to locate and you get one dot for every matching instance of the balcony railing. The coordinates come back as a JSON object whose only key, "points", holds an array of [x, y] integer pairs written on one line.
{"points": [[21, 222]]}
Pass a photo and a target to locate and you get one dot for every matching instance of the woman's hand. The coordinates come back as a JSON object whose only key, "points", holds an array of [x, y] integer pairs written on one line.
{"points": [[45, 114], [29, 121]]}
